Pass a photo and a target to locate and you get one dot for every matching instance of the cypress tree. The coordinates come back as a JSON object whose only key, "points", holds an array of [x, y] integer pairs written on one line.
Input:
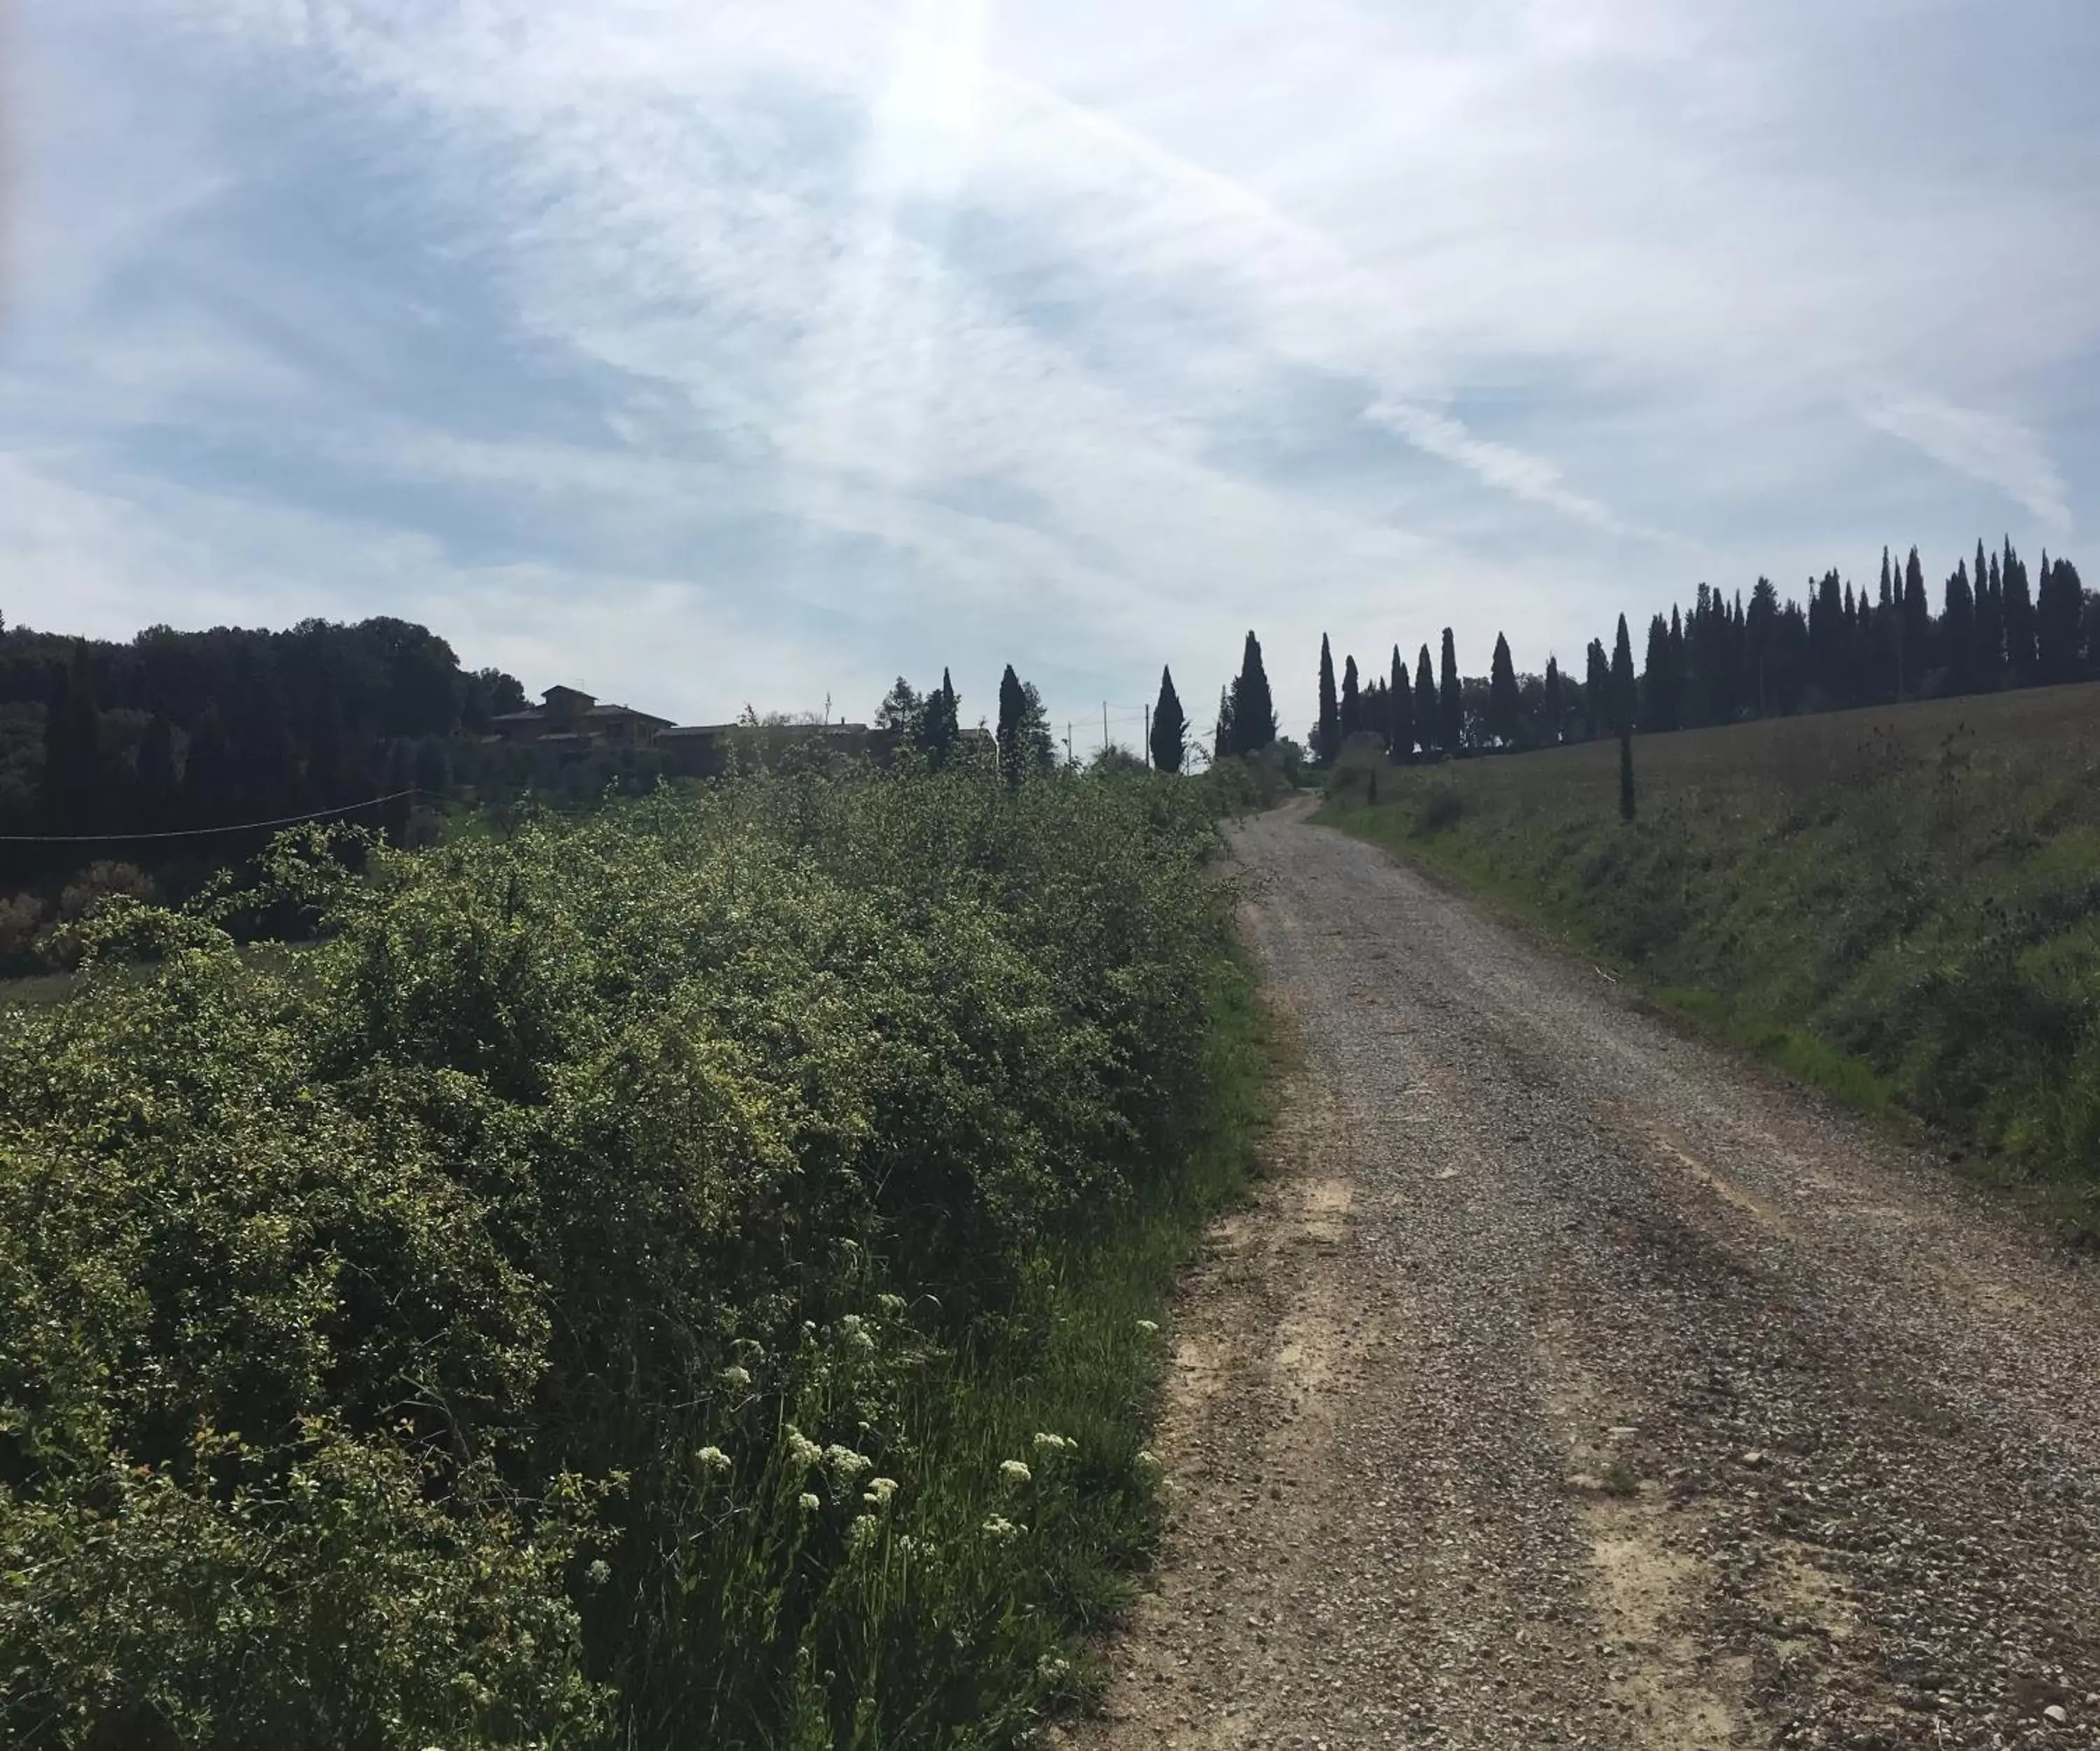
{"points": [[1553, 708], [940, 727], [1990, 629], [1254, 708], [1170, 727], [2019, 618], [1222, 745], [1428, 720], [1957, 629], [1916, 623], [1400, 710], [1623, 694], [1502, 702], [1013, 702], [2059, 614], [1450, 700], [1655, 678], [1352, 702], [1596, 691], [1327, 732]]}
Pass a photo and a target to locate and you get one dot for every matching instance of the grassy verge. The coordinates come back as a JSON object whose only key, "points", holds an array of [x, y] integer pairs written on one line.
{"points": [[1901, 908]]}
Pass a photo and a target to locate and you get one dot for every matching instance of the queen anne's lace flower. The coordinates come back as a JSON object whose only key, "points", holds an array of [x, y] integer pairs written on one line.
{"points": [[866, 1530], [801, 1450], [1053, 1443], [1148, 1325], [714, 1458], [810, 1502], [1002, 1528], [846, 1463], [736, 1377], [1015, 1472], [879, 1490]]}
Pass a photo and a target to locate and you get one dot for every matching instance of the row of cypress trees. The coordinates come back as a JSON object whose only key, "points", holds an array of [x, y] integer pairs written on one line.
{"points": [[1723, 661]]}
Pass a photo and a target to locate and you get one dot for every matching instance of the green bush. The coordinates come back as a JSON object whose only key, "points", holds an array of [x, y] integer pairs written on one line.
{"points": [[598, 1295]]}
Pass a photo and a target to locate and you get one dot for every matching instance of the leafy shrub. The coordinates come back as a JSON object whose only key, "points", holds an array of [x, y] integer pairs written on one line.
{"points": [[1442, 810], [587, 1298]]}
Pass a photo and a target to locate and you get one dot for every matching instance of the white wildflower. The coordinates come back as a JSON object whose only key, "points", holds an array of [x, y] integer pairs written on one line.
{"points": [[810, 1502], [879, 1490], [1145, 1460], [1052, 1669], [1015, 1473], [1002, 1528], [866, 1530], [801, 1450], [598, 1574], [736, 1377], [714, 1458], [1053, 1443], [1148, 1325], [847, 1464], [890, 1303]]}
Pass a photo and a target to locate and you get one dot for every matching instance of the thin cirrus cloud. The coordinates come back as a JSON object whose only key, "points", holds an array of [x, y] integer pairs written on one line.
{"points": [[708, 354]]}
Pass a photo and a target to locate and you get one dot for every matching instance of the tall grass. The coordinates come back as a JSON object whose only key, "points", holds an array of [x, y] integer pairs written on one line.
{"points": [[685, 1277], [1901, 905]]}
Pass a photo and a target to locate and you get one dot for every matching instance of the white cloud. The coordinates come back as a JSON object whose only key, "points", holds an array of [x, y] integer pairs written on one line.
{"points": [[1984, 446], [1066, 316]]}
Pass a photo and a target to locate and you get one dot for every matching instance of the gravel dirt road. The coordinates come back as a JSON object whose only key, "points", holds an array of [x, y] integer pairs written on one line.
{"points": [[1571, 1382]]}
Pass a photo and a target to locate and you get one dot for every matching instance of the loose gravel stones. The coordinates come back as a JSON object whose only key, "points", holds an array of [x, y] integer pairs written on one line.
{"points": [[1572, 1383]]}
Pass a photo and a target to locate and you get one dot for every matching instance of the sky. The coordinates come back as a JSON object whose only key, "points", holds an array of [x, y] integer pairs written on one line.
{"points": [[700, 352]]}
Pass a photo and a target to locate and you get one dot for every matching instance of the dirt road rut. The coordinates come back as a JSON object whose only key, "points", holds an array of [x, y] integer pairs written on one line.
{"points": [[1571, 1383]]}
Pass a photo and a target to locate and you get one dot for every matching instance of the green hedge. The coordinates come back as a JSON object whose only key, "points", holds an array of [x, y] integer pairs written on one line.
{"points": [[608, 1291]]}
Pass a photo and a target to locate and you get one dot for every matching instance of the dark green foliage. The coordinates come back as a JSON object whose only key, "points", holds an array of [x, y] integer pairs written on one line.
{"points": [[432, 1337], [902, 710], [1556, 709], [1013, 702], [940, 724], [1353, 699], [1658, 699], [71, 792], [2059, 614], [1623, 693], [2019, 618], [1327, 732], [1625, 775], [1957, 630], [1400, 711], [1428, 719], [1451, 701], [1503, 705], [1253, 707], [1170, 727], [159, 792]]}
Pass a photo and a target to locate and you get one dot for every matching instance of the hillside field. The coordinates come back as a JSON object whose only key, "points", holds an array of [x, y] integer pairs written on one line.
{"points": [[1901, 904]]}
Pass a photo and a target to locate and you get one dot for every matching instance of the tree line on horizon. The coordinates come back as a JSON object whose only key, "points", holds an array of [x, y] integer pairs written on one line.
{"points": [[173, 731], [1721, 661]]}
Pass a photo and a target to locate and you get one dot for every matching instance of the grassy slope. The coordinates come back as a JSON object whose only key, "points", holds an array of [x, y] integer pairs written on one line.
{"points": [[1900, 904]]}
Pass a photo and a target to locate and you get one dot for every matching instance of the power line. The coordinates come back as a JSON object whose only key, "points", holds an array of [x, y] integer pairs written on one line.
{"points": [[199, 832]]}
